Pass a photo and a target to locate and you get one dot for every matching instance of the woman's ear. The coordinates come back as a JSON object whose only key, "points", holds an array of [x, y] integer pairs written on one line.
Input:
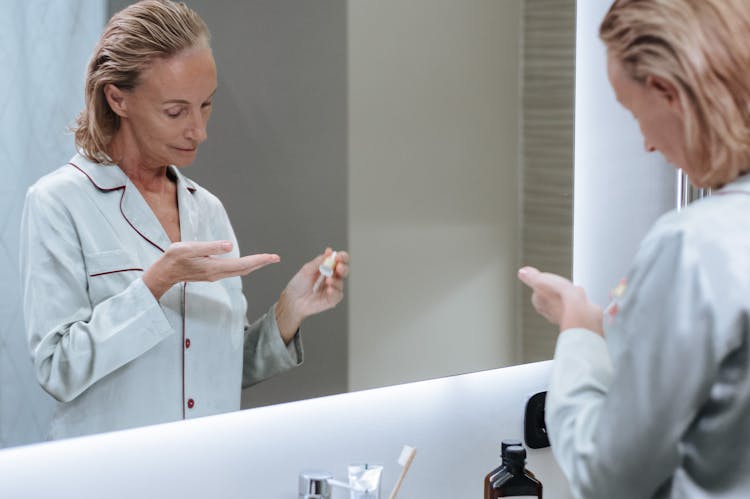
{"points": [[116, 100], [665, 88]]}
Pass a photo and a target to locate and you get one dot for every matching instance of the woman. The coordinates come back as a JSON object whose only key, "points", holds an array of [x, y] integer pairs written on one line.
{"points": [[131, 273], [651, 397]]}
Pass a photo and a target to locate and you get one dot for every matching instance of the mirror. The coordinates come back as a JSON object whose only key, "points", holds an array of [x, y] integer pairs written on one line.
{"points": [[433, 139]]}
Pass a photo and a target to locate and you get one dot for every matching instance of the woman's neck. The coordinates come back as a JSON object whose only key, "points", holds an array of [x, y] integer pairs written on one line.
{"points": [[148, 176]]}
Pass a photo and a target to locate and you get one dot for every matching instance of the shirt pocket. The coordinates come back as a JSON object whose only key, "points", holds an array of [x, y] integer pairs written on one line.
{"points": [[110, 272]]}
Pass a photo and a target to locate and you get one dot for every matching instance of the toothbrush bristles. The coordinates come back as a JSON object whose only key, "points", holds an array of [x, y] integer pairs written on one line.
{"points": [[406, 453]]}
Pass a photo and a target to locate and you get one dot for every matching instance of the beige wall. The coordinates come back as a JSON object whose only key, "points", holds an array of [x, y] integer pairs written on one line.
{"points": [[433, 187]]}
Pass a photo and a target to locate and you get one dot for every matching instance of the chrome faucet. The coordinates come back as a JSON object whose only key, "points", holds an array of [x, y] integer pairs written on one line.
{"points": [[315, 485]]}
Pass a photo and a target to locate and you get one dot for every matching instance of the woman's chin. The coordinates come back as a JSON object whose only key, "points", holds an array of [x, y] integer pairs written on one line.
{"points": [[183, 158]]}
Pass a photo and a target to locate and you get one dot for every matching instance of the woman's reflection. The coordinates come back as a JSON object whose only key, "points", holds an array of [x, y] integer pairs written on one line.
{"points": [[131, 272]]}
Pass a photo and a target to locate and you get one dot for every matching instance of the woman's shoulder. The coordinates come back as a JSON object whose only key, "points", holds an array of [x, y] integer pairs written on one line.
{"points": [[716, 216], [59, 183], [712, 228]]}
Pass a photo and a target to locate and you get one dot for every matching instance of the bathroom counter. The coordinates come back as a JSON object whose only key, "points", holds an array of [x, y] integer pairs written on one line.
{"points": [[455, 423]]}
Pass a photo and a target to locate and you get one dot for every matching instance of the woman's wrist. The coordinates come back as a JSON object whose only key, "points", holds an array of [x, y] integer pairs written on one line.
{"points": [[156, 281], [287, 319], [586, 316]]}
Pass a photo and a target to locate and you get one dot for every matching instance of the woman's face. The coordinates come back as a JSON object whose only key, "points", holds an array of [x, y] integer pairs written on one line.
{"points": [[656, 107], [167, 112]]}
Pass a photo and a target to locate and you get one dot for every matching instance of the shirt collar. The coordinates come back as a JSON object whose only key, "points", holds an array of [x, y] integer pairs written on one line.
{"points": [[740, 184], [111, 177]]}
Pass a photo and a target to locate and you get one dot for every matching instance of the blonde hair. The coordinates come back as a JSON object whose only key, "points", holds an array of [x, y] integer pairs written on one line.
{"points": [[133, 38], [700, 47]]}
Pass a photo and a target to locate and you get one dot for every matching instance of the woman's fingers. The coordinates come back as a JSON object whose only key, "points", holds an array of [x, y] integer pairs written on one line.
{"points": [[203, 261], [342, 257], [544, 282], [342, 270], [547, 292], [255, 262], [337, 284], [230, 267], [529, 276], [201, 248], [342, 264]]}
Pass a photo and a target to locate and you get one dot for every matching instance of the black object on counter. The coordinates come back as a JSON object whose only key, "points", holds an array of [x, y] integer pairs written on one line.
{"points": [[535, 429], [493, 475], [513, 479]]}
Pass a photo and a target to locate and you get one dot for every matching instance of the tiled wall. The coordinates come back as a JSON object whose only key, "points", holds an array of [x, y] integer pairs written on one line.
{"points": [[549, 48], [44, 48]]}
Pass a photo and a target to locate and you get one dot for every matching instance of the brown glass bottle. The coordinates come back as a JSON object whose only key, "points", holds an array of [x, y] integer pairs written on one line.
{"points": [[493, 475], [514, 479]]}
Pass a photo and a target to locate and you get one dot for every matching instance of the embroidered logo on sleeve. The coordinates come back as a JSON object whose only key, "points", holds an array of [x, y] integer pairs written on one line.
{"points": [[619, 290], [611, 311]]}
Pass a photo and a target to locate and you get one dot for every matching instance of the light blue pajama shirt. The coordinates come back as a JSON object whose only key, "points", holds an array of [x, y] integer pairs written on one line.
{"points": [[111, 354], [661, 406]]}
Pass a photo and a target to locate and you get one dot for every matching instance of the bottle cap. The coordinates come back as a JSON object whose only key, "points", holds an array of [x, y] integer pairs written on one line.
{"points": [[515, 454], [508, 442]]}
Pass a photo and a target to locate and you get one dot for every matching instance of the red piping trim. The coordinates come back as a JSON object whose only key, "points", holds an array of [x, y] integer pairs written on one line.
{"points": [[133, 226], [122, 196], [115, 271], [105, 189]]}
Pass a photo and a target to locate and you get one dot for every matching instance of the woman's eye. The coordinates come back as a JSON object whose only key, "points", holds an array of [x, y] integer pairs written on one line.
{"points": [[174, 113]]}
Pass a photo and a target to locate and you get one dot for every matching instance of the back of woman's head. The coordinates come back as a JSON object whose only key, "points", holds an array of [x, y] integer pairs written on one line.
{"points": [[133, 38], [701, 48]]}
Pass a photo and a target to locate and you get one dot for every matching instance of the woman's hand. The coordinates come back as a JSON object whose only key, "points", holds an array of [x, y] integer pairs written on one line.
{"points": [[561, 302], [298, 301], [196, 261]]}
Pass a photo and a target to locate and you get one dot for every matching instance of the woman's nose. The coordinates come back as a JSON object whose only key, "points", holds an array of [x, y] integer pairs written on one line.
{"points": [[647, 145], [197, 130]]}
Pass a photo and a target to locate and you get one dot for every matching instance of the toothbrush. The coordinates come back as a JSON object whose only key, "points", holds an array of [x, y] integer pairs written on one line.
{"points": [[405, 459]]}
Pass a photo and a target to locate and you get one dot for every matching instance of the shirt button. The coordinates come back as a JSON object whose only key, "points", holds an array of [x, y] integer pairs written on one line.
{"points": [[187, 342], [191, 403]]}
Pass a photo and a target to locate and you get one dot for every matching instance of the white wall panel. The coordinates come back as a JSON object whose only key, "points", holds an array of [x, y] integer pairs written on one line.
{"points": [[620, 189]]}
